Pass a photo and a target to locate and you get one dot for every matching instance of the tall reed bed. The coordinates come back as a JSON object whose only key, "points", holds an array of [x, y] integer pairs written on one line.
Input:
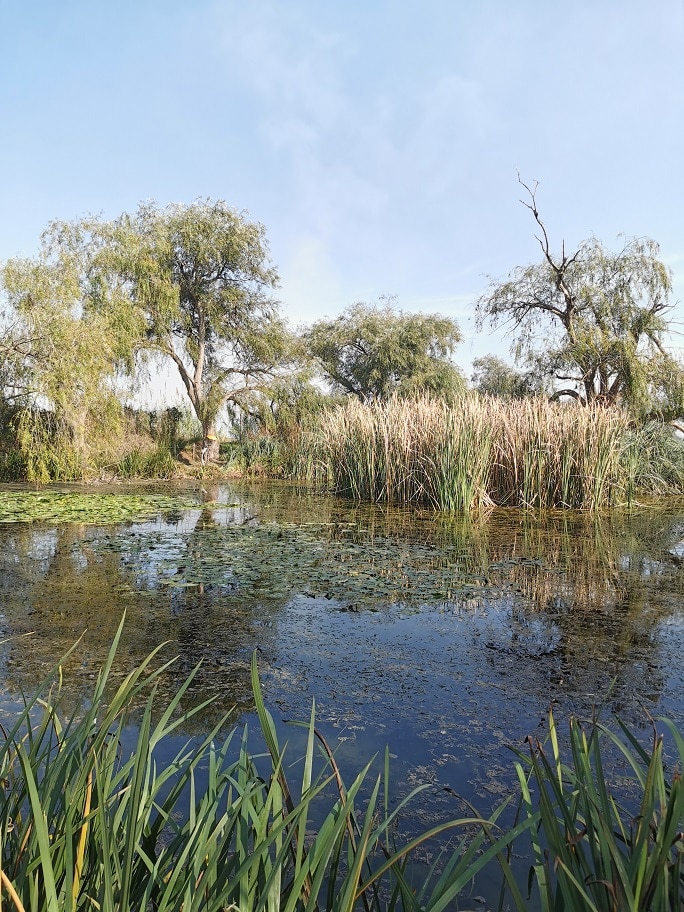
{"points": [[486, 451], [552, 455]]}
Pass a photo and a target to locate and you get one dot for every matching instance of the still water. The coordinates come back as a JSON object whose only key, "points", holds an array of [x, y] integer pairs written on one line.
{"points": [[446, 638]]}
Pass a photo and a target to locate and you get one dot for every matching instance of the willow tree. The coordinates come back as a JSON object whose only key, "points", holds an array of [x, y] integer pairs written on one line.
{"points": [[375, 351], [61, 353], [201, 277], [593, 321], [492, 376]]}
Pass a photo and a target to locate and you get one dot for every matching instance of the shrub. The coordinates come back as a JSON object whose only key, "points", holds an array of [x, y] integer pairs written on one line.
{"points": [[158, 463]]}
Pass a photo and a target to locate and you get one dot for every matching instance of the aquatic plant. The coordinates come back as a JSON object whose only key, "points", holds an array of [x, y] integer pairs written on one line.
{"points": [[590, 850], [88, 824], [486, 451], [74, 506], [84, 825]]}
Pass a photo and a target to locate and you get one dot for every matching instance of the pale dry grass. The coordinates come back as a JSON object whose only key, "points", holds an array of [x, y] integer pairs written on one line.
{"points": [[479, 452]]}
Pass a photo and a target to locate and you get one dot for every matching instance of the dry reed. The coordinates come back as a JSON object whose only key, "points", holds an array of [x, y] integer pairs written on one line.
{"points": [[479, 452]]}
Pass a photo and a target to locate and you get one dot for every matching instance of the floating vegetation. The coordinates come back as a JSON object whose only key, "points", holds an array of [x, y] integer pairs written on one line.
{"points": [[92, 508], [277, 561]]}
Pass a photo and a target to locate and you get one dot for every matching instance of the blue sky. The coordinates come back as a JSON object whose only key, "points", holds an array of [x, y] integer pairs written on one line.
{"points": [[378, 141]]}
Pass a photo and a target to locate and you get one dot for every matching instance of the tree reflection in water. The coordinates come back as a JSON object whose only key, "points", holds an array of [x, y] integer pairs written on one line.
{"points": [[448, 635]]}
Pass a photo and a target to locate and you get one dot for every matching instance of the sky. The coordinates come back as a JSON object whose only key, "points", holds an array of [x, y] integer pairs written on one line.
{"points": [[379, 141]]}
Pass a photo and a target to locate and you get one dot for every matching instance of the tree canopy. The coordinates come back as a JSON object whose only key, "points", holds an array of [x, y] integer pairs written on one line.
{"points": [[60, 353], [374, 351], [493, 377], [594, 321], [201, 277]]}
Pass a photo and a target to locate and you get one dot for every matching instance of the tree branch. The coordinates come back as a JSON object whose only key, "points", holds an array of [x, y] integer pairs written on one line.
{"points": [[573, 394]]}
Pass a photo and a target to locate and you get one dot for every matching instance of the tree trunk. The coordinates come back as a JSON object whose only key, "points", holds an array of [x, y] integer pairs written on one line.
{"points": [[210, 443]]}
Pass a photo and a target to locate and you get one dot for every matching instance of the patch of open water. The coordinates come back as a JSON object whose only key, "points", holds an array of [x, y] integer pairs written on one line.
{"points": [[445, 638]]}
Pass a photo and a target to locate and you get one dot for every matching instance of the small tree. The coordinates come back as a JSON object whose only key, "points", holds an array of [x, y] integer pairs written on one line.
{"points": [[201, 277], [594, 321], [373, 352]]}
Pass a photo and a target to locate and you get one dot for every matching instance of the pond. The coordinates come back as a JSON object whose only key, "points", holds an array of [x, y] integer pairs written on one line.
{"points": [[446, 638]]}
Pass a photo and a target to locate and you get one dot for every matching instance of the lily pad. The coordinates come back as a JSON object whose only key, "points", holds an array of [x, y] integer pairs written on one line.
{"points": [[91, 508]]}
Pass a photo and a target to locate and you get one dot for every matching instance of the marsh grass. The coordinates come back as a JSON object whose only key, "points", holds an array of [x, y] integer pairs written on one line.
{"points": [[486, 451], [86, 825]]}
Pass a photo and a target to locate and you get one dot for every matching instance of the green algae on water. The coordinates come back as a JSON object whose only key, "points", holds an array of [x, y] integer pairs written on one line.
{"points": [[92, 508]]}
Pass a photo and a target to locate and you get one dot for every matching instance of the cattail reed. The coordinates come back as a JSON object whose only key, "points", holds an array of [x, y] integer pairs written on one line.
{"points": [[485, 451]]}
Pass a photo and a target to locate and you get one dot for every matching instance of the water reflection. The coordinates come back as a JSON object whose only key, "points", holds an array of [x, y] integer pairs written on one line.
{"points": [[447, 635]]}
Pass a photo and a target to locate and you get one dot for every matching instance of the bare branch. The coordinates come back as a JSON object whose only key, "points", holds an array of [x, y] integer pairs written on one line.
{"points": [[573, 394]]}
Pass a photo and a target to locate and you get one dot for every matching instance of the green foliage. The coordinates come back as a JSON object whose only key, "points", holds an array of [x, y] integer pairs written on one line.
{"points": [[594, 321], [70, 350], [71, 506], [61, 356], [493, 377], [373, 352], [486, 451], [15, 367], [45, 448], [589, 851], [200, 278], [180, 426], [38, 446], [653, 459], [159, 463], [190, 282], [85, 824], [288, 405], [256, 455], [12, 466], [271, 423]]}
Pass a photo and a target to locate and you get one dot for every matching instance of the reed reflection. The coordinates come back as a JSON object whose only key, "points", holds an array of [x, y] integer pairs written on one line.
{"points": [[555, 605]]}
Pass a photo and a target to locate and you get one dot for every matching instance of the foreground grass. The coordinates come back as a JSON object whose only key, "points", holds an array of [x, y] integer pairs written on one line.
{"points": [[589, 852], [84, 825], [486, 451]]}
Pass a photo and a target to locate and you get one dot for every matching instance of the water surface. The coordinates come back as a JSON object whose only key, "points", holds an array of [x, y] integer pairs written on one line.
{"points": [[446, 638]]}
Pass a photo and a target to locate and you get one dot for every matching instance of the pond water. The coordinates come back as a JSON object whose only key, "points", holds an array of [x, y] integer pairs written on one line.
{"points": [[446, 638]]}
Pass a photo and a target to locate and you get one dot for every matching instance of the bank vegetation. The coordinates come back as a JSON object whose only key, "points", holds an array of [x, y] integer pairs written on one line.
{"points": [[370, 403], [484, 451], [92, 821]]}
